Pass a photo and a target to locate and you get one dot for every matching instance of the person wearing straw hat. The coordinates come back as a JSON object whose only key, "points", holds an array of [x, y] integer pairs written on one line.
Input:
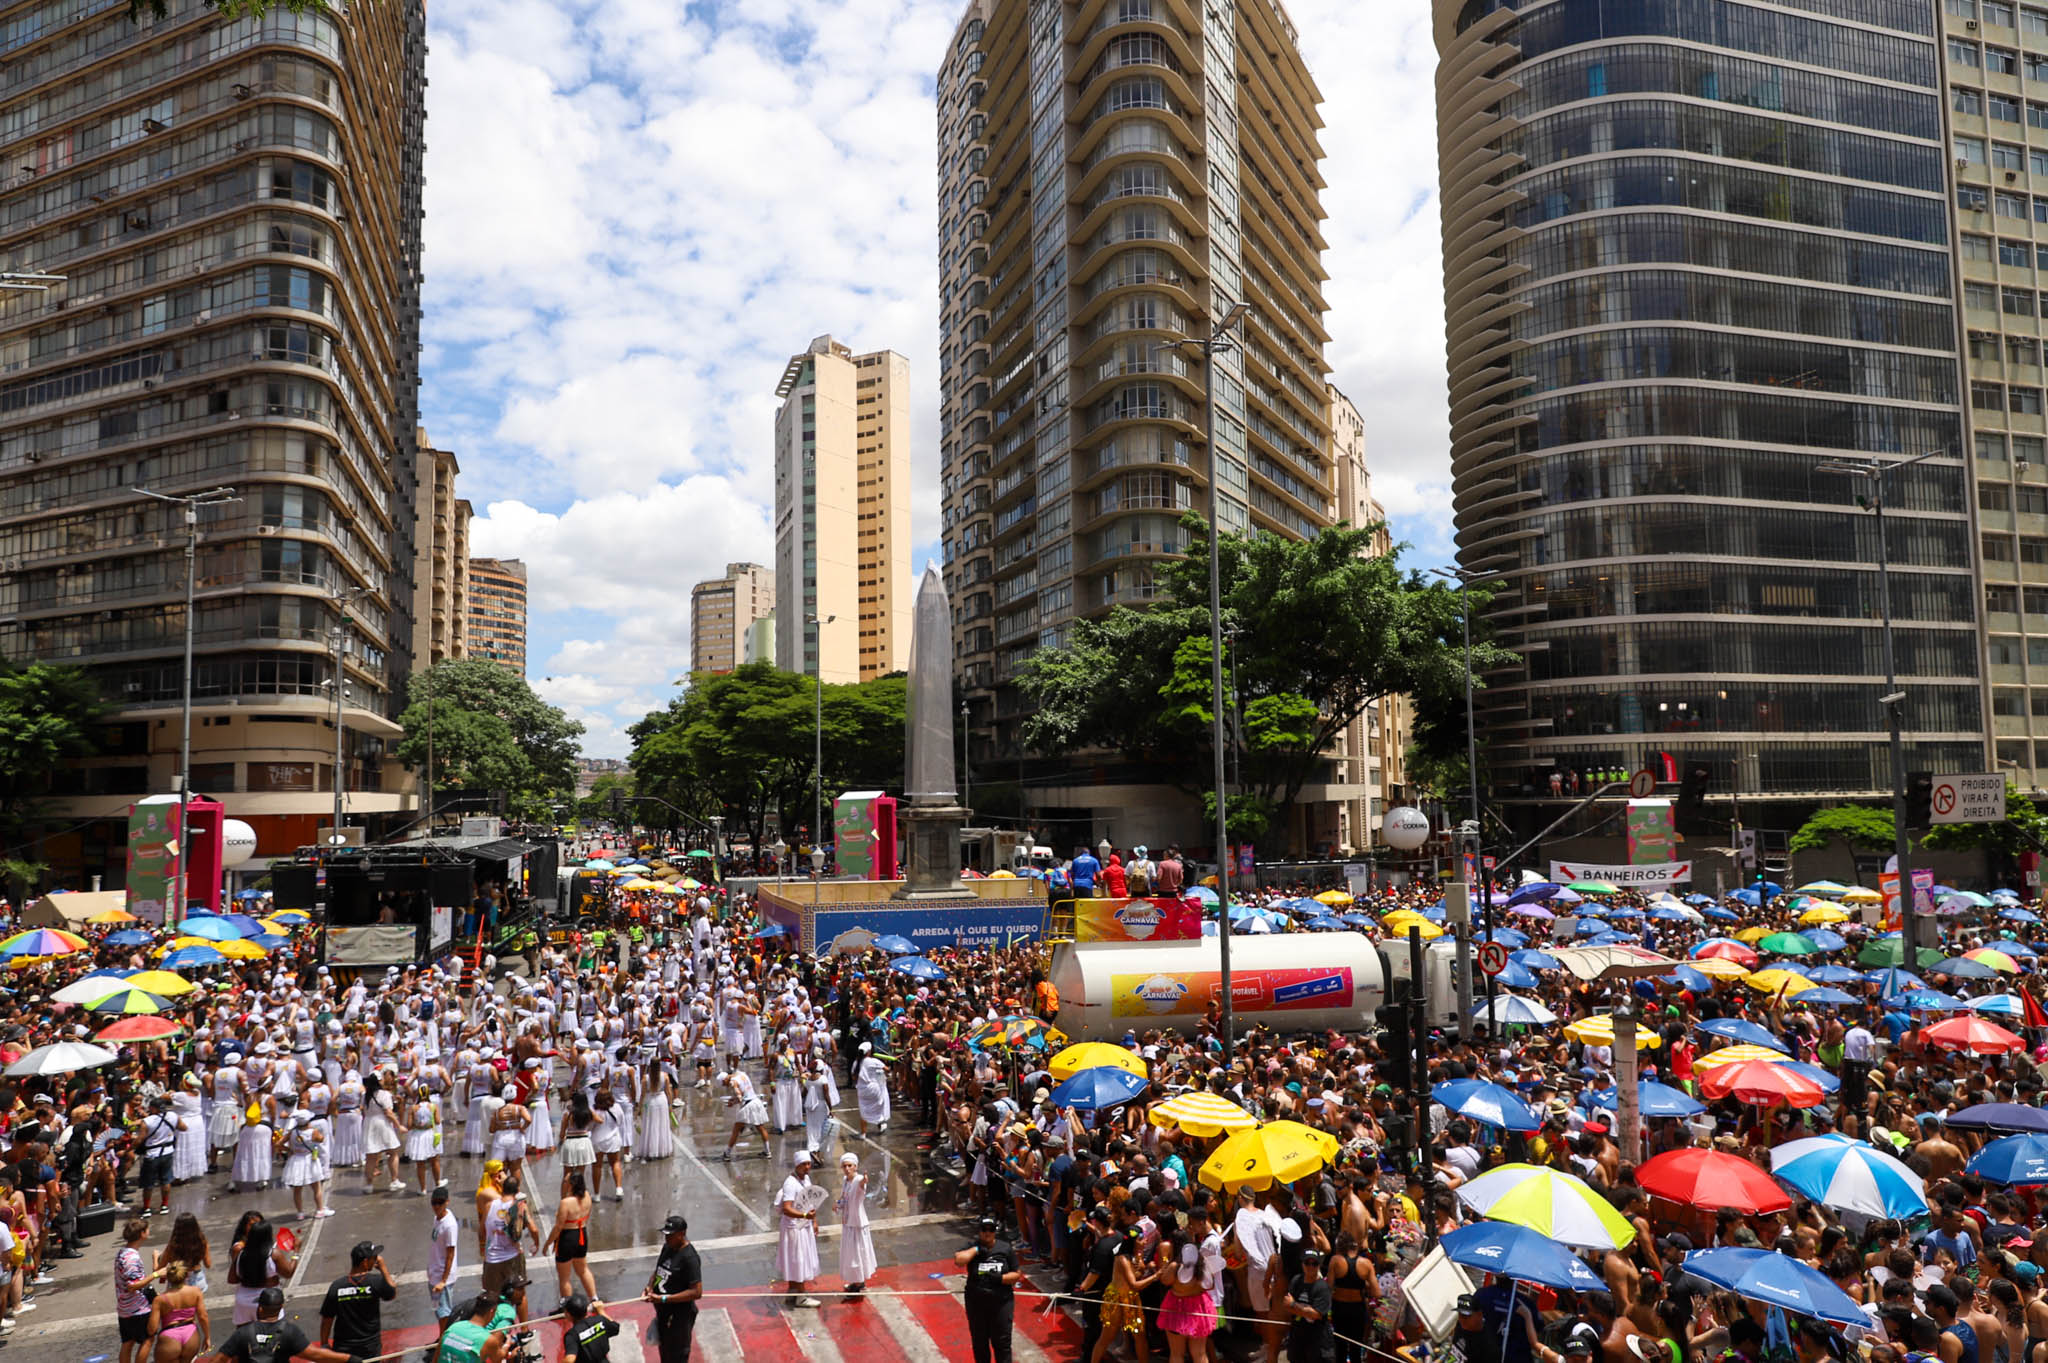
{"points": [[796, 1251]]}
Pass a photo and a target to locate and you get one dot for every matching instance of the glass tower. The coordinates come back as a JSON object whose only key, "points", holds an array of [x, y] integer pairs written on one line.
{"points": [[1695, 251]]}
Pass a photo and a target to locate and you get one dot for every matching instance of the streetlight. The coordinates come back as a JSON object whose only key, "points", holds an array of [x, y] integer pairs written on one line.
{"points": [[191, 502], [966, 761], [818, 756], [778, 848], [1464, 581], [338, 634], [1216, 343], [1876, 471]]}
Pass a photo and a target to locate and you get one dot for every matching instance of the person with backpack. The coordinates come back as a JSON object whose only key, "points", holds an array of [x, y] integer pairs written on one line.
{"points": [[268, 1339]]}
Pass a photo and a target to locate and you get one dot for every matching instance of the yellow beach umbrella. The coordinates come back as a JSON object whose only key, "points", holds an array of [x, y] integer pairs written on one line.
{"points": [[107, 918], [1856, 894], [1599, 1031], [1775, 981], [1336, 897], [1277, 1151], [239, 949], [164, 982], [1754, 935], [1202, 1114], [1086, 1055], [1825, 913], [1735, 1055], [1720, 967]]}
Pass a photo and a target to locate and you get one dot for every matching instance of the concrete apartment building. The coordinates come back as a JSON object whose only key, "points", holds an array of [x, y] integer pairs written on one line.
{"points": [[495, 627], [842, 513], [1370, 751], [722, 612], [1114, 175], [1690, 265], [234, 209], [440, 559]]}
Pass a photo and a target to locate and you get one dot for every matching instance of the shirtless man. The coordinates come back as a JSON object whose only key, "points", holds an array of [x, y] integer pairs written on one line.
{"points": [[1943, 1158], [1615, 1329]]}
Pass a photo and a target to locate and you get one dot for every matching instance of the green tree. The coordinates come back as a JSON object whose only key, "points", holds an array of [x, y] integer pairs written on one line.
{"points": [[598, 803], [2024, 829], [1318, 629], [49, 716], [492, 735], [742, 745], [1867, 826], [234, 9]]}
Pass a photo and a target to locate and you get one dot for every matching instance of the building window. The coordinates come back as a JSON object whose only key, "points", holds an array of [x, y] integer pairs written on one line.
{"points": [[1966, 101], [1970, 151]]}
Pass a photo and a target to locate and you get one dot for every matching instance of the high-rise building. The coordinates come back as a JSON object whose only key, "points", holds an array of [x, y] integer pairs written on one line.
{"points": [[496, 625], [440, 565], [723, 610], [759, 645], [1695, 257], [842, 513], [1995, 64], [1371, 750], [1114, 177], [233, 208]]}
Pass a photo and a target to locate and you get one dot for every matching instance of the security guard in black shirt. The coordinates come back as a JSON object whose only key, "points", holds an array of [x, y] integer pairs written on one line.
{"points": [[352, 1314], [674, 1287], [587, 1337], [992, 1276]]}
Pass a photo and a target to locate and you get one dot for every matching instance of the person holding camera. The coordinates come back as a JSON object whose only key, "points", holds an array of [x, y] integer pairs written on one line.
{"points": [[587, 1335], [478, 1337]]}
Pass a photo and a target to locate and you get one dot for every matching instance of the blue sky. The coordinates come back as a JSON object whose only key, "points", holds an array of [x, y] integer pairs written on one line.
{"points": [[637, 211]]}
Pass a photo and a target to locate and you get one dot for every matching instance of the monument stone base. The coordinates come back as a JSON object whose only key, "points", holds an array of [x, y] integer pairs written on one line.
{"points": [[931, 835]]}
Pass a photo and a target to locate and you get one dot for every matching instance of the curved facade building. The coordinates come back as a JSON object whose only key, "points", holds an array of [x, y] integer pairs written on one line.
{"points": [[233, 208], [1694, 250]]}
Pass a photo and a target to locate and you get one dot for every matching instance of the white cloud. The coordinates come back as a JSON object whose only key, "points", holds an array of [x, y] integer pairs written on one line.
{"points": [[637, 210]]}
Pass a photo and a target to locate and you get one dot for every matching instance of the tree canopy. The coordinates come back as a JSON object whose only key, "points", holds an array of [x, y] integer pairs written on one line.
{"points": [[49, 716], [232, 9], [741, 745], [492, 735], [1316, 630]]}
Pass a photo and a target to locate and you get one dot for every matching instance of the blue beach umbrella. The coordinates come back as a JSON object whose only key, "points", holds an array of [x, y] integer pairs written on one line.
{"points": [[917, 967], [894, 945], [1849, 1176], [1826, 939], [1666, 914], [1097, 1087], [244, 924], [1931, 1001], [1652, 1100], [1201, 893], [1777, 1280], [191, 958], [771, 930], [1743, 1031], [1685, 977], [1327, 924], [1834, 974], [1720, 915], [2014, 1161], [1507, 937], [1828, 1081], [130, 937], [212, 928], [1488, 1104], [1515, 975], [2019, 915], [1535, 960], [1998, 1005], [1823, 995], [1894, 981], [1540, 892], [1520, 1255], [1999, 1117], [269, 941]]}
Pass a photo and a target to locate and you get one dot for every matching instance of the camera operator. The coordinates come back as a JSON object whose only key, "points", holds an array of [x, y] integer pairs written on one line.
{"points": [[587, 1337]]}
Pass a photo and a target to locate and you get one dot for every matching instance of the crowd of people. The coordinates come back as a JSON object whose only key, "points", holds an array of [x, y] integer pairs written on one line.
{"points": [[280, 1073]]}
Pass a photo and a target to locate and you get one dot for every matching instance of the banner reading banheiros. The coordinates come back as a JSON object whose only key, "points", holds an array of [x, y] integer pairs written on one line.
{"points": [[1653, 877]]}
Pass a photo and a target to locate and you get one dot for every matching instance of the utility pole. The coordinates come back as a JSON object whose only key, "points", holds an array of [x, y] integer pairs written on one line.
{"points": [[174, 912], [1217, 342], [818, 756]]}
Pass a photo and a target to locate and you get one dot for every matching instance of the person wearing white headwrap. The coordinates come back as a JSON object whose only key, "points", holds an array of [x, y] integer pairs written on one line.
{"points": [[871, 1086], [796, 1251], [821, 1095], [856, 1239]]}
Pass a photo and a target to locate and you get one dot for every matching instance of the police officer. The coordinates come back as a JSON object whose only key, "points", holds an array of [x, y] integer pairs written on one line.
{"points": [[992, 1276], [674, 1287]]}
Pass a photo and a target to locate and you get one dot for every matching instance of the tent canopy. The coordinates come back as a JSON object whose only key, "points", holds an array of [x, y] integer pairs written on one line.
{"points": [[69, 910]]}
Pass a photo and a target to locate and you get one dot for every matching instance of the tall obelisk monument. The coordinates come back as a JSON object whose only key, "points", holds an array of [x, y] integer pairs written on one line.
{"points": [[932, 817]]}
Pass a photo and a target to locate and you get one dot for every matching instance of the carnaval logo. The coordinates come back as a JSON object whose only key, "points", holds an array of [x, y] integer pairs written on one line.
{"points": [[1161, 993]]}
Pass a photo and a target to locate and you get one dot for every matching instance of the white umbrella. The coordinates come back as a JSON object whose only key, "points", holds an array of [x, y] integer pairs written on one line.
{"points": [[89, 989], [1513, 1009], [62, 1058]]}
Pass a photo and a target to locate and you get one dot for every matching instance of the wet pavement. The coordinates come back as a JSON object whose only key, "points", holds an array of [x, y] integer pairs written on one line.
{"points": [[730, 1207]]}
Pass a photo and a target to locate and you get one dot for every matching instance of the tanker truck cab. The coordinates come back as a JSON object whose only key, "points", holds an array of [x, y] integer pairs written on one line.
{"points": [[1439, 978], [1288, 984]]}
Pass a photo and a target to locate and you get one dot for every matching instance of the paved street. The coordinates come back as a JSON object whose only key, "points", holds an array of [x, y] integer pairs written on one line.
{"points": [[729, 1206]]}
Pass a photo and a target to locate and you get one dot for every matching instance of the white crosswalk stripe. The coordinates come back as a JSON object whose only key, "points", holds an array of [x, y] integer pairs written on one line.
{"points": [[714, 1339], [813, 1337]]}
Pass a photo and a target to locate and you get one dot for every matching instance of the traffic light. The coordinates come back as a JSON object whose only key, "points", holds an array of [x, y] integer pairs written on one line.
{"points": [[1397, 1047], [1919, 799]]}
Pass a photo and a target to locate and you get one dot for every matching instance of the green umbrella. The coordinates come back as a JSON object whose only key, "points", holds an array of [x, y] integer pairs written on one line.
{"points": [[1788, 944], [1891, 951], [1593, 887]]}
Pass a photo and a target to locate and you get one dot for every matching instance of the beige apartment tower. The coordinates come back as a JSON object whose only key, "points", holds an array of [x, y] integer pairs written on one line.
{"points": [[495, 627], [842, 514], [440, 559], [1115, 175], [722, 612]]}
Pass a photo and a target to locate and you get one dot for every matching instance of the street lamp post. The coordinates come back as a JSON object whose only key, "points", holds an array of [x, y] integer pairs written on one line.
{"points": [[1464, 581], [1875, 471], [216, 496], [818, 755], [338, 634], [780, 849], [1217, 342], [966, 761]]}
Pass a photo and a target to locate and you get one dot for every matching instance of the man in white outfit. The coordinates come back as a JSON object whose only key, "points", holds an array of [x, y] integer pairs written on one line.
{"points": [[796, 1253], [871, 1087], [856, 1240]]}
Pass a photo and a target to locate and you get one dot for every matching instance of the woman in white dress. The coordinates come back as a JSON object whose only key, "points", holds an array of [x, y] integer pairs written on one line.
{"points": [[748, 1109], [789, 1088], [657, 1137], [856, 1239], [871, 1087], [303, 1166], [796, 1247], [540, 1130], [380, 1134], [607, 1138], [423, 1139], [226, 1122], [253, 1149], [188, 1157], [579, 1151], [821, 1095], [481, 1082], [508, 1129], [348, 1122]]}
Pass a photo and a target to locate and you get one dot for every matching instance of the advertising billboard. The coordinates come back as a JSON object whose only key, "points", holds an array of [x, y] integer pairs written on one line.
{"points": [[1168, 993], [153, 841], [1137, 920], [983, 924]]}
